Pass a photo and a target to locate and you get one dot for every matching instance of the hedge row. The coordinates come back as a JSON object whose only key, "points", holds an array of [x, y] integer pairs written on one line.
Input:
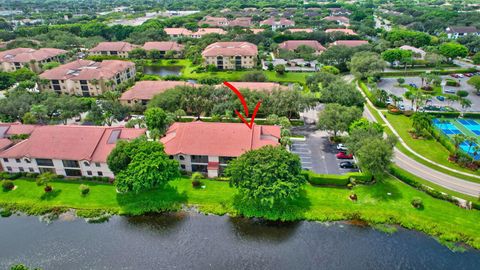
{"points": [[472, 115], [334, 179], [370, 96], [445, 114], [410, 179], [13, 176], [418, 72]]}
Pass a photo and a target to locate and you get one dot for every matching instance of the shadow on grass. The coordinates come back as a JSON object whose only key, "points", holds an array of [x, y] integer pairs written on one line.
{"points": [[47, 196], [385, 191], [153, 201], [287, 210]]}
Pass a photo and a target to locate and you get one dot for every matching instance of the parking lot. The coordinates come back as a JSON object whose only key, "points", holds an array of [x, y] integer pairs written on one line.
{"points": [[318, 154], [391, 86]]}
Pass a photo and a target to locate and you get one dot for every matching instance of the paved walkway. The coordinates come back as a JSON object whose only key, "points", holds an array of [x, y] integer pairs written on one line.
{"points": [[425, 172]]}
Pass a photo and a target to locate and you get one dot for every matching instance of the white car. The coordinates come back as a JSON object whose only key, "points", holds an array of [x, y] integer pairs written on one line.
{"points": [[341, 147]]}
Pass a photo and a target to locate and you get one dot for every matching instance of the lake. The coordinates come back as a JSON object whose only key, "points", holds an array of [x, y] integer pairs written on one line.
{"points": [[195, 241], [162, 70]]}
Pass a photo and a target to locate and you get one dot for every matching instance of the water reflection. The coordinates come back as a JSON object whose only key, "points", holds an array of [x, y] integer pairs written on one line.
{"points": [[262, 230], [158, 224], [162, 70]]}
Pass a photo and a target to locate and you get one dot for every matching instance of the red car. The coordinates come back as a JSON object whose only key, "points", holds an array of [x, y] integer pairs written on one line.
{"points": [[343, 155]]}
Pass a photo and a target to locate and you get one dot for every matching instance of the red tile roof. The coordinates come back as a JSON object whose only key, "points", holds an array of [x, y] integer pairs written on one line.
{"points": [[282, 21], [255, 86], [346, 31], [70, 143], [25, 55], [87, 70], [231, 49], [294, 44], [337, 19], [15, 129], [350, 43], [218, 139], [214, 21], [163, 46], [118, 46], [4, 143], [257, 30], [146, 90], [241, 21], [206, 31], [177, 31]]}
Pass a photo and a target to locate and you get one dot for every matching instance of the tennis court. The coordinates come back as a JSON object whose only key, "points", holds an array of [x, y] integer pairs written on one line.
{"points": [[446, 127], [468, 127], [471, 125]]}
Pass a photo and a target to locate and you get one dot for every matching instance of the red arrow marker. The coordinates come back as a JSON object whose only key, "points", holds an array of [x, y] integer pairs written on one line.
{"points": [[245, 106]]}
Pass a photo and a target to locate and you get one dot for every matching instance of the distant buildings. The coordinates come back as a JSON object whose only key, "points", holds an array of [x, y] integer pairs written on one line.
{"points": [[224, 22], [417, 53], [339, 12], [119, 48], [350, 43], [241, 22], [341, 30], [208, 147], [341, 20], [231, 55], [291, 45], [164, 46], [64, 150], [278, 24], [183, 32], [455, 32], [143, 91], [87, 78], [299, 30], [33, 59]]}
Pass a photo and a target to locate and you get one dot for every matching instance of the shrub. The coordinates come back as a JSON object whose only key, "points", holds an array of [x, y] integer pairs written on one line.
{"points": [[408, 113], [401, 80], [7, 185], [450, 82], [326, 179], [462, 93], [196, 180], [84, 189], [360, 178], [417, 202]]}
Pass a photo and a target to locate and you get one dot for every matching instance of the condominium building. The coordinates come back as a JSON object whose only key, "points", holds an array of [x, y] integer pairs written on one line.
{"points": [[231, 55], [87, 78], [119, 48], [143, 91], [208, 147], [33, 59]]}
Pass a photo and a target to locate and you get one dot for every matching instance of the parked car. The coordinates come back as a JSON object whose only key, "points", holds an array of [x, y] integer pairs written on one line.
{"points": [[341, 147], [460, 76], [401, 107], [454, 75], [343, 155], [449, 91], [347, 165], [468, 74], [441, 98]]}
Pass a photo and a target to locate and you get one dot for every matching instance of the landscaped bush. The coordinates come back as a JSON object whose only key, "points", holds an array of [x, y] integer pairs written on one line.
{"points": [[196, 180], [450, 82], [394, 111], [408, 113], [462, 93], [84, 189], [360, 178], [472, 115], [445, 114], [417, 203], [326, 179], [7, 185], [443, 140]]}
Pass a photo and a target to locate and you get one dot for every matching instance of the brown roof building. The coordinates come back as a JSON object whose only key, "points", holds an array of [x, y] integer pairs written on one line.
{"points": [[300, 30], [164, 46], [144, 91], [350, 43], [241, 21], [277, 24], [214, 21], [231, 55], [341, 20], [118, 48], [292, 45], [14, 59], [88, 78]]}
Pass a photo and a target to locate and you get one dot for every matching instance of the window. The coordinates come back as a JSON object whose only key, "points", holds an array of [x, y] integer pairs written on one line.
{"points": [[181, 157], [27, 160], [86, 163], [21, 169], [70, 163], [9, 168], [44, 162], [50, 170], [5, 159], [100, 173], [199, 168], [18, 160], [199, 159], [182, 166], [71, 172], [97, 164], [31, 170], [89, 172], [225, 160]]}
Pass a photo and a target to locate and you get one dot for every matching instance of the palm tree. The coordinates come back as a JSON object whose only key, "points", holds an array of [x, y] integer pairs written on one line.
{"points": [[476, 150], [471, 141], [465, 103], [111, 95], [457, 140]]}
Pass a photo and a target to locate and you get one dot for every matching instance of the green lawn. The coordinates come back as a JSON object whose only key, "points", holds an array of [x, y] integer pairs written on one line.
{"points": [[431, 149], [374, 205]]}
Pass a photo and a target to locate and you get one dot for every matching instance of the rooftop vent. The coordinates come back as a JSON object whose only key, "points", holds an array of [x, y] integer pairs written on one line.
{"points": [[114, 136]]}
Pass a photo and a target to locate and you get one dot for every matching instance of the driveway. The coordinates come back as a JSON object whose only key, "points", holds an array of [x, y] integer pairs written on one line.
{"points": [[316, 152], [391, 86]]}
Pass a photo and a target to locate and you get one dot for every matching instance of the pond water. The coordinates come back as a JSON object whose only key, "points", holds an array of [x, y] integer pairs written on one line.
{"points": [[162, 70], [194, 241]]}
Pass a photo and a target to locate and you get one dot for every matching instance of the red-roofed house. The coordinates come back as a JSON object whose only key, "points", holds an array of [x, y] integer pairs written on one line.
{"points": [[231, 55], [66, 150], [208, 147], [341, 20], [350, 43], [33, 59], [88, 78], [184, 32], [144, 91], [164, 46], [291, 45], [214, 21], [277, 24], [119, 48], [205, 31], [341, 30], [241, 21]]}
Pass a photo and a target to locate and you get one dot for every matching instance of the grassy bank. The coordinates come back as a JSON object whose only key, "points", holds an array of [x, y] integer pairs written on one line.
{"points": [[385, 202]]}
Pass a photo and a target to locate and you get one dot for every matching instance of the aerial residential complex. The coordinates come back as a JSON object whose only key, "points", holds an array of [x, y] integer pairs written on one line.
{"points": [[64, 150], [231, 55], [33, 59], [87, 78], [208, 147], [119, 48], [144, 91]]}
